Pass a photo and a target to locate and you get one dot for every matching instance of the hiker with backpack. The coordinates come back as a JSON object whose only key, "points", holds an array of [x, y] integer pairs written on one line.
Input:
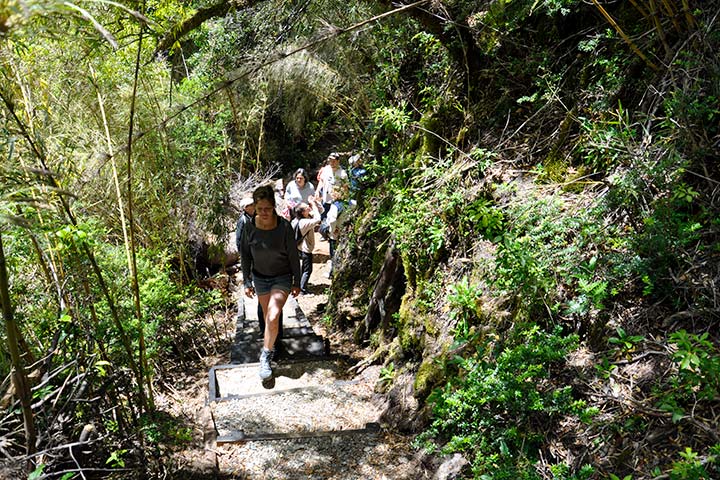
{"points": [[307, 217], [270, 266]]}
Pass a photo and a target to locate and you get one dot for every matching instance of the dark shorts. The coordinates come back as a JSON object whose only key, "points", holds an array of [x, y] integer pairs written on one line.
{"points": [[264, 285]]}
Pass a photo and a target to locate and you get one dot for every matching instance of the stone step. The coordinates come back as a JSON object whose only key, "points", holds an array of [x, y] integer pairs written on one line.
{"points": [[304, 346], [241, 437], [293, 316], [235, 381], [307, 411]]}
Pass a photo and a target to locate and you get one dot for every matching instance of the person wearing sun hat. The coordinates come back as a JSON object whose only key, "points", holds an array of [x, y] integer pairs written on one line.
{"points": [[247, 212]]}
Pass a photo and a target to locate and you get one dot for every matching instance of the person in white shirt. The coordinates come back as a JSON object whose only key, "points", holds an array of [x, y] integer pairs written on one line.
{"points": [[332, 182], [299, 189]]}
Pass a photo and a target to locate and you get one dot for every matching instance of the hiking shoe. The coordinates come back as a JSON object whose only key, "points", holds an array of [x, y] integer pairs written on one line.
{"points": [[265, 359]]}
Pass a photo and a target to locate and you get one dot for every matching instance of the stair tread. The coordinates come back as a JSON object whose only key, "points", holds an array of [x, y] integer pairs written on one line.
{"points": [[237, 437], [295, 347], [312, 409], [239, 380]]}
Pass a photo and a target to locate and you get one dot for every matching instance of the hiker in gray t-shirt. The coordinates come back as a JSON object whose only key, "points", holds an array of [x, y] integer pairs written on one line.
{"points": [[270, 265]]}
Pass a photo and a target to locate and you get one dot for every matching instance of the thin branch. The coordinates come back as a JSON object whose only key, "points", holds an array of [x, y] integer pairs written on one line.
{"points": [[86, 15], [145, 402], [624, 36]]}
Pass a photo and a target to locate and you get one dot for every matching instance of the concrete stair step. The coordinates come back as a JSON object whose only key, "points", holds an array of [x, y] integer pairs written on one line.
{"points": [[233, 381], [307, 411]]}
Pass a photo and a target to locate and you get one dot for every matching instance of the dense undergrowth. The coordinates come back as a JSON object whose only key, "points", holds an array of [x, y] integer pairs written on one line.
{"points": [[558, 302]]}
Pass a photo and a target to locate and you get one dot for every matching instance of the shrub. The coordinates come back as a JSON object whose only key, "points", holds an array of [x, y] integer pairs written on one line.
{"points": [[499, 406]]}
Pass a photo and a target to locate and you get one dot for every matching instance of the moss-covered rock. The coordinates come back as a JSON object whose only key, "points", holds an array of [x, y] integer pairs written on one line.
{"points": [[410, 326], [429, 375]]}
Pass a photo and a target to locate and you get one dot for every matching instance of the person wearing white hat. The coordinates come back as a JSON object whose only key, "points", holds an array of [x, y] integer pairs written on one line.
{"points": [[247, 205]]}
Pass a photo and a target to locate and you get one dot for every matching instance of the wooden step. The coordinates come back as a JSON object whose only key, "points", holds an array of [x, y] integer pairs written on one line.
{"points": [[241, 437]]}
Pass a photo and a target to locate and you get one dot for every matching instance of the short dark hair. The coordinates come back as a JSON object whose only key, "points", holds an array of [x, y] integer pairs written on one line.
{"points": [[301, 171], [264, 192], [299, 208]]}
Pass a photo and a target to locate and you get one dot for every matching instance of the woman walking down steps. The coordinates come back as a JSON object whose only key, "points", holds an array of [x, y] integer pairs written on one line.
{"points": [[270, 266]]}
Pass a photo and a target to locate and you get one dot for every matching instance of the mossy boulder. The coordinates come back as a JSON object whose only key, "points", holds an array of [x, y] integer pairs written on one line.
{"points": [[430, 373]]}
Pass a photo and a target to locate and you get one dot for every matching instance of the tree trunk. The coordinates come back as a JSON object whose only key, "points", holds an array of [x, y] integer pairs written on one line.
{"points": [[376, 313]]}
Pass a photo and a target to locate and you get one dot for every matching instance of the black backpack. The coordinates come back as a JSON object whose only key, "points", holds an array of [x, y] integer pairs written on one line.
{"points": [[299, 237]]}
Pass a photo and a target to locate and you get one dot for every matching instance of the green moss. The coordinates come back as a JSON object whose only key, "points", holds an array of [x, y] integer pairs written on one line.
{"points": [[430, 326], [429, 375], [410, 272], [555, 169], [431, 146], [409, 325], [573, 184]]}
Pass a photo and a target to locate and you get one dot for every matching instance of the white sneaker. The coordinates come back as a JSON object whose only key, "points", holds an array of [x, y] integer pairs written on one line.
{"points": [[265, 359]]}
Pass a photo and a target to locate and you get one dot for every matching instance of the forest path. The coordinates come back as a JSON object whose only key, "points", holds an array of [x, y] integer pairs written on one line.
{"points": [[314, 420]]}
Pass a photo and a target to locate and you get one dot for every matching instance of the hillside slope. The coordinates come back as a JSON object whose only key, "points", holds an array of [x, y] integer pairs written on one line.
{"points": [[543, 240]]}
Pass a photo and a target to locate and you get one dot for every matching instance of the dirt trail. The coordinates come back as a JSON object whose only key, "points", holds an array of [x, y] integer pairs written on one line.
{"points": [[372, 455]]}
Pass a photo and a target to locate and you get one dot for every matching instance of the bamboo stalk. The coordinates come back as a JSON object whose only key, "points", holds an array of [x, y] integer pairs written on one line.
{"points": [[49, 267], [689, 17], [640, 9], [236, 121], [143, 371], [20, 380], [113, 165], [658, 27], [260, 133], [670, 12], [624, 36], [40, 157]]}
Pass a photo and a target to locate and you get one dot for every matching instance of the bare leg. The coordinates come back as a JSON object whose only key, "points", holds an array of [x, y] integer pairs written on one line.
{"points": [[272, 305]]}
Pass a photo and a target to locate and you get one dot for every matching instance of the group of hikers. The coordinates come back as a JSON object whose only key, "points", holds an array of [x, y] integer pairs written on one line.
{"points": [[276, 249]]}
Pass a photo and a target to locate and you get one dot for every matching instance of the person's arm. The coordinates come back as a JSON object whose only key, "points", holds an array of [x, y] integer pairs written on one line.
{"points": [[288, 191], [321, 182], [308, 224], [331, 218], [294, 259], [319, 207]]}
